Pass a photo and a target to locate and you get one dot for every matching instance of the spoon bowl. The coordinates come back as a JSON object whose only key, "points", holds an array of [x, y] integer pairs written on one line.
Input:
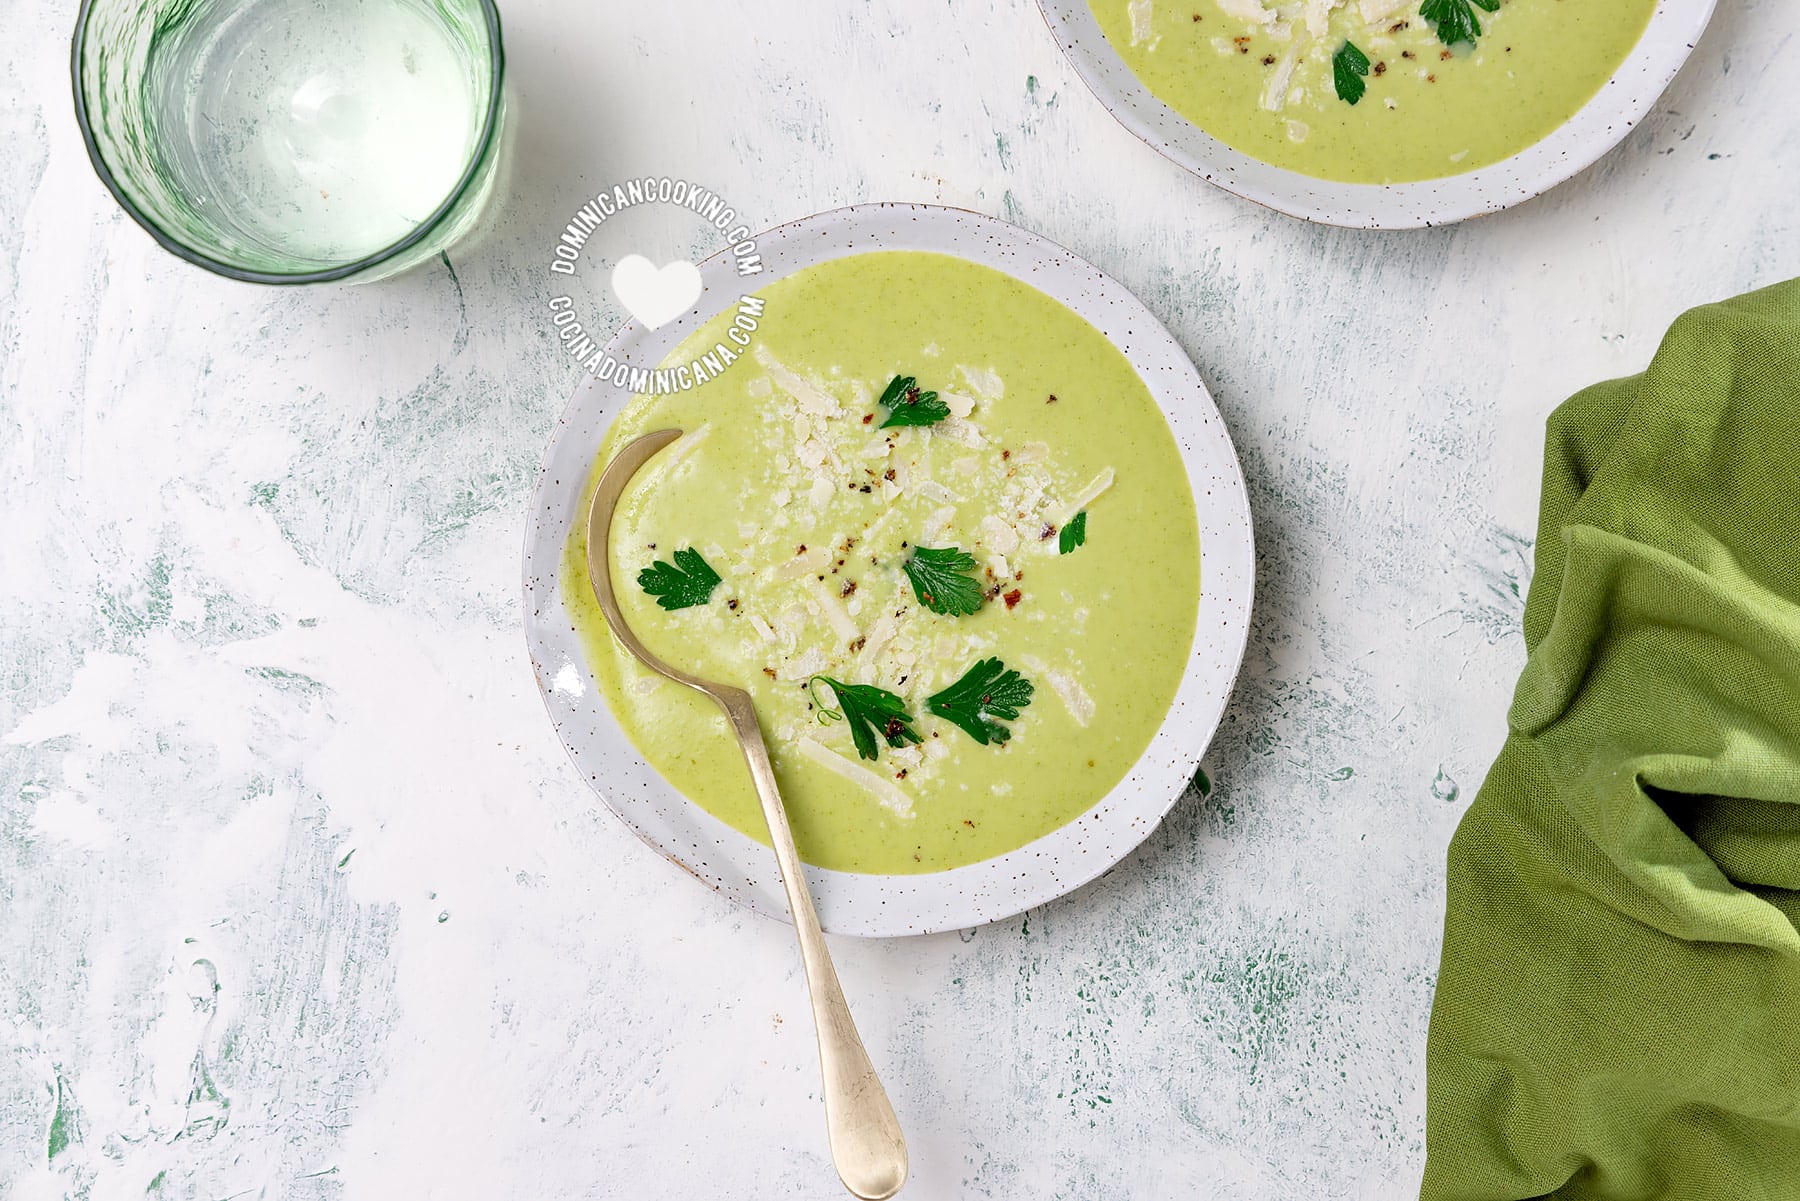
{"points": [[866, 1142]]}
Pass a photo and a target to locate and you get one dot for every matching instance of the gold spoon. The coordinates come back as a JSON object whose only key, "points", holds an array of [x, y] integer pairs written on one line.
{"points": [[866, 1143]]}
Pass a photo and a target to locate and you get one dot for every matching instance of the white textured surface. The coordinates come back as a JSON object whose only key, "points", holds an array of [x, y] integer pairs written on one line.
{"points": [[258, 581]]}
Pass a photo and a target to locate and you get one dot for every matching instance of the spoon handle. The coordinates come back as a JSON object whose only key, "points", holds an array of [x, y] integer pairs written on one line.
{"points": [[866, 1143]]}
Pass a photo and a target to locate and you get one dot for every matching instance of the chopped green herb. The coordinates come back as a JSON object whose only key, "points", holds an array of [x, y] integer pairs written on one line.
{"points": [[1348, 68], [1455, 20], [688, 581], [1074, 533], [989, 693], [940, 580], [906, 405], [870, 711]]}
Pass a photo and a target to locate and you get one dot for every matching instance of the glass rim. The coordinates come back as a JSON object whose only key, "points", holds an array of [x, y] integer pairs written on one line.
{"points": [[169, 242]]}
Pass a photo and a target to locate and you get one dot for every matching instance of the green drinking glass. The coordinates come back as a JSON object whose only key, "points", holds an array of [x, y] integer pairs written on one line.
{"points": [[294, 141]]}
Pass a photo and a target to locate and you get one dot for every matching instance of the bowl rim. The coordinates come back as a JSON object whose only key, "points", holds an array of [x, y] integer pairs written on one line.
{"points": [[477, 158], [1056, 863], [1668, 39]]}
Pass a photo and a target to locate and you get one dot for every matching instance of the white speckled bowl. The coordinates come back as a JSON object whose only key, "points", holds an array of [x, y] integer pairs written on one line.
{"points": [[875, 905], [1600, 125]]}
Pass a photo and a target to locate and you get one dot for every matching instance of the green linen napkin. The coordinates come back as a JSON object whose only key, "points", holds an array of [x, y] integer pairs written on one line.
{"points": [[1618, 1009]]}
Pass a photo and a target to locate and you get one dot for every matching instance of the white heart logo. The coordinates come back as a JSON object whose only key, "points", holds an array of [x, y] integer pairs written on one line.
{"points": [[655, 295]]}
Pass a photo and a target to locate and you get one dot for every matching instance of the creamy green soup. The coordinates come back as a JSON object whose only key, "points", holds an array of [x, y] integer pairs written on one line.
{"points": [[1271, 79], [790, 490]]}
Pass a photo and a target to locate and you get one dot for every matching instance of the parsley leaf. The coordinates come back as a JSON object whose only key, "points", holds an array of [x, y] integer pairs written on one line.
{"points": [[939, 580], [1348, 67], [689, 581], [906, 405], [869, 710], [989, 692], [1074, 534], [1455, 20]]}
